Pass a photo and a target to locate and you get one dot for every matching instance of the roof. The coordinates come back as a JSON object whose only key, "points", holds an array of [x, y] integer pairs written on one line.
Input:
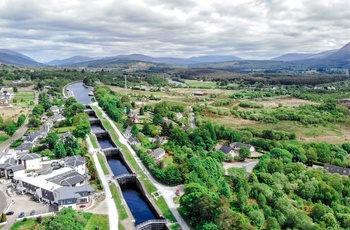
{"points": [[16, 168], [28, 156], [11, 161], [157, 152], [73, 180], [217, 147], [127, 130], [57, 117], [74, 161], [24, 146], [133, 140], [31, 137], [67, 179], [225, 149], [337, 169], [72, 192], [238, 145]]}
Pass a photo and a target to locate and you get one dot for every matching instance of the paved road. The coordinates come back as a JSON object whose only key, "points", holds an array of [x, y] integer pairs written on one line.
{"points": [[113, 214], [167, 191], [248, 164], [19, 133]]}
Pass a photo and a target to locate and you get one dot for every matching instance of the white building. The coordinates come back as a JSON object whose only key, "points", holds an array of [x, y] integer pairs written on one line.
{"points": [[30, 161], [77, 163]]}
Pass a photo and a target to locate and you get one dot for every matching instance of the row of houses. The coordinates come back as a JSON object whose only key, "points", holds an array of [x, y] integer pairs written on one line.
{"points": [[233, 149]]}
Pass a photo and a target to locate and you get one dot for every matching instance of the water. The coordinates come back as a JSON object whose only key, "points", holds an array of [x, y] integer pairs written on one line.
{"points": [[80, 92], [105, 143], [138, 207], [97, 128], [117, 167]]}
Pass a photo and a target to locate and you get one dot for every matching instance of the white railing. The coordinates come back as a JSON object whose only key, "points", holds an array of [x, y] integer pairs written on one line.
{"points": [[148, 222], [125, 176]]}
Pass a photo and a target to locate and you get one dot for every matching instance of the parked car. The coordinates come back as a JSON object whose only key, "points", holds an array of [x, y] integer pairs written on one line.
{"points": [[32, 213], [21, 215], [9, 213]]}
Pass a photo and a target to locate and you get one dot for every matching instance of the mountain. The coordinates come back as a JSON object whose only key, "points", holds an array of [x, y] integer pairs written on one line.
{"points": [[303, 56], [214, 59], [15, 58], [70, 61], [341, 58]]}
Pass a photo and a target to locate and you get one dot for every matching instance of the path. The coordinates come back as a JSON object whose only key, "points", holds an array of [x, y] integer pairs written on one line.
{"points": [[167, 191], [113, 214]]}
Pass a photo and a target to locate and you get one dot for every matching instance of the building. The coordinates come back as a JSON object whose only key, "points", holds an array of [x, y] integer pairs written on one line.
{"points": [[179, 115], [337, 169], [70, 197], [24, 147], [32, 137], [158, 153], [134, 141], [132, 116], [227, 150], [30, 161], [65, 136], [57, 118], [238, 145], [11, 168], [199, 94], [77, 163], [127, 133], [55, 110]]}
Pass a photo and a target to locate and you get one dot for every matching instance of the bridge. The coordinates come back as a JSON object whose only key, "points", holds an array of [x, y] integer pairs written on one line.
{"points": [[152, 224]]}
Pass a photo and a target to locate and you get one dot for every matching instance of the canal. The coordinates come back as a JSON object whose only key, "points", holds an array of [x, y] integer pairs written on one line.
{"points": [[136, 202]]}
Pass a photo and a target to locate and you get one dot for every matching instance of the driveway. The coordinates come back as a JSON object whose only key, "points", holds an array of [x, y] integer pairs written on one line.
{"points": [[248, 164]]}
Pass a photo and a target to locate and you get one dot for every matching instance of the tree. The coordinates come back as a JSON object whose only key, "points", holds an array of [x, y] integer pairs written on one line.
{"points": [[157, 119], [82, 130], [34, 122], [3, 218], [38, 110], [135, 130], [68, 219], [60, 151], [142, 111], [15, 89], [146, 129], [11, 128], [51, 139], [21, 119], [244, 152]]}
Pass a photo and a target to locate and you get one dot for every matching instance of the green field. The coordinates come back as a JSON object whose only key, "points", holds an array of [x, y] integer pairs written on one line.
{"points": [[200, 84], [102, 162], [97, 220], [93, 141], [23, 98]]}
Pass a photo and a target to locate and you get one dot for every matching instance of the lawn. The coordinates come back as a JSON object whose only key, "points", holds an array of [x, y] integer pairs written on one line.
{"points": [[130, 158], [93, 141], [23, 98], [26, 224], [62, 130], [3, 138], [97, 220], [200, 84], [101, 159], [118, 203]]}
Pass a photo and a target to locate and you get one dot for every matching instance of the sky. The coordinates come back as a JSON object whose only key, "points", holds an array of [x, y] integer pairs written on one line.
{"points": [[251, 29]]}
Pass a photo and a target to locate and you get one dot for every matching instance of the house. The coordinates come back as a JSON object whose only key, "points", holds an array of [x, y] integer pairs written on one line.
{"points": [[77, 163], [57, 118], [11, 168], [5, 97], [65, 136], [179, 115], [199, 94], [54, 109], [32, 137], [238, 145], [6, 88], [24, 147], [127, 133], [158, 153], [70, 197], [227, 150], [217, 147], [161, 140], [30, 161], [132, 116], [134, 141], [337, 169]]}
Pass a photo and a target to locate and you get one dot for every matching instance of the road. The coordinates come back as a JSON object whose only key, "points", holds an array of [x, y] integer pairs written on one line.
{"points": [[19, 133], [113, 214], [248, 164], [192, 120], [167, 191]]}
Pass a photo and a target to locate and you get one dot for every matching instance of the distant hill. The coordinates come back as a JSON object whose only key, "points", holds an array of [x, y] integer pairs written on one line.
{"points": [[15, 58], [301, 56], [70, 61], [214, 59]]}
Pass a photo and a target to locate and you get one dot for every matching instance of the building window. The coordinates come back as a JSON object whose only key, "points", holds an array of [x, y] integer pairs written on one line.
{"points": [[69, 201]]}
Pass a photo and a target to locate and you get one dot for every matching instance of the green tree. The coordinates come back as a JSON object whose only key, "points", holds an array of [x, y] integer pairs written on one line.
{"points": [[59, 150], [142, 111], [68, 219], [272, 224], [11, 128], [51, 139], [157, 119], [82, 130], [146, 129], [34, 122], [38, 110], [135, 130], [244, 152], [21, 119], [15, 89]]}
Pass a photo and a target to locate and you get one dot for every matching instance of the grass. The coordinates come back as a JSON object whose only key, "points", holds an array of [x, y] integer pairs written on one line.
{"points": [[62, 130], [175, 227], [118, 203], [3, 138], [130, 158], [103, 164], [29, 224], [23, 98], [97, 220], [93, 141], [200, 84], [177, 199]]}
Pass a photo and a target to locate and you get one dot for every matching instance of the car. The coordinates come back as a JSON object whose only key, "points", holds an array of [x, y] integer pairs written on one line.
{"points": [[9, 213], [33, 212], [21, 215]]}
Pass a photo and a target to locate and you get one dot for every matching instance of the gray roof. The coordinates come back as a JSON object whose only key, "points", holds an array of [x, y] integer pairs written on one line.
{"points": [[24, 146], [57, 117], [65, 135], [239, 145], [67, 179], [16, 168], [28, 156], [32, 137], [157, 152], [74, 161], [71, 181], [11, 161], [337, 169], [225, 149], [133, 140], [73, 192]]}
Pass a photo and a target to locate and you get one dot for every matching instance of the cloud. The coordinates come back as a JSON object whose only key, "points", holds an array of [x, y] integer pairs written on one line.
{"points": [[48, 29]]}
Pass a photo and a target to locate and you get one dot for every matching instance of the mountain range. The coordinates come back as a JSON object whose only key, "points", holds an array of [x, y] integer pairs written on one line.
{"points": [[332, 58]]}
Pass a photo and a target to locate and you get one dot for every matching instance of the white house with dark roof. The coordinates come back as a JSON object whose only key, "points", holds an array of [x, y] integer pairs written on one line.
{"points": [[30, 161], [238, 145], [57, 118], [70, 197], [54, 109], [158, 153], [24, 147], [127, 133], [134, 141], [77, 163], [32, 137], [11, 168]]}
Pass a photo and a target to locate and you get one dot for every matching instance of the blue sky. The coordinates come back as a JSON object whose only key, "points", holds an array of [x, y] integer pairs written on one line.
{"points": [[255, 29]]}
